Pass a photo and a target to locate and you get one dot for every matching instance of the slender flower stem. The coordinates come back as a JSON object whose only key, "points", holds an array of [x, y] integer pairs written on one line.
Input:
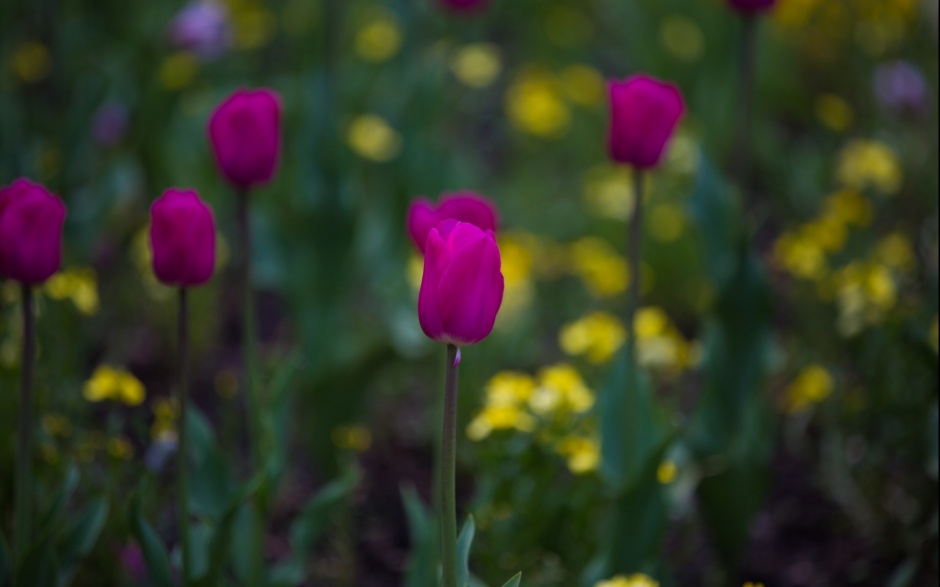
{"points": [[634, 253], [182, 459], [251, 387], [24, 456], [747, 69], [449, 473]]}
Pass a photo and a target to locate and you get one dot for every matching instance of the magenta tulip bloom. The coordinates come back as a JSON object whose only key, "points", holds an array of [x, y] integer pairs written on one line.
{"points": [[182, 238], [246, 137], [31, 220], [644, 113], [463, 5], [462, 286], [470, 207], [751, 6]]}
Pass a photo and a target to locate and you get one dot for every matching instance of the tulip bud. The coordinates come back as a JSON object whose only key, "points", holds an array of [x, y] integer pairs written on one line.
{"points": [[245, 135], [462, 286], [644, 113], [463, 5], [182, 238], [463, 206], [750, 7], [31, 220]]}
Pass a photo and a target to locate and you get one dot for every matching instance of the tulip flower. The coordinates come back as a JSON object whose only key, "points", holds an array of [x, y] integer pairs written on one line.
{"points": [[469, 207], [750, 7], [644, 113], [464, 5], [182, 238], [462, 286], [31, 220], [245, 135]]}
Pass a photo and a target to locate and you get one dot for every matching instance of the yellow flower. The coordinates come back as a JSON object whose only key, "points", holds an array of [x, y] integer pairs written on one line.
{"points": [[865, 163], [813, 385], [178, 70], [667, 472], [477, 65], [896, 251], [659, 344], [31, 61], [355, 438], [165, 413], [752, 584], [535, 105], [849, 207], [603, 270], [499, 418], [561, 388], [584, 85], [597, 335], [517, 264], [637, 580], [608, 191], [583, 455], [108, 383], [378, 40], [826, 233], [682, 37], [865, 293], [650, 322], [666, 222], [120, 447], [509, 388], [834, 112], [79, 285], [371, 137], [800, 256]]}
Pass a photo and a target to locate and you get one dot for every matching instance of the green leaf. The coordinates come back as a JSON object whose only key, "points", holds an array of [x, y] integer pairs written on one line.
{"points": [[82, 533], [422, 563], [515, 581], [4, 559], [316, 514], [39, 567], [464, 544], [53, 515], [716, 214], [277, 420], [158, 563]]}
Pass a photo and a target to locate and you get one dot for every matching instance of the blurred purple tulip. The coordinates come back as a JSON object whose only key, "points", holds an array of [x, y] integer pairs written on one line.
{"points": [[644, 113], [109, 126], [202, 27], [182, 238], [31, 219], [901, 87]]}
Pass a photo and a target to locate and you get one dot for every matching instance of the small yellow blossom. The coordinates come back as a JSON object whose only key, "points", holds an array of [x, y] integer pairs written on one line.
{"points": [[865, 292], [666, 222], [109, 383], [499, 418], [355, 438], [608, 191], [78, 285], [865, 163], [560, 387], [637, 580], [826, 233], [667, 472], [371, 137], [178, 70], [849, 207], [379, 40], [510, 388], [517, 261], [120, 447], [584, 85], [597, 336], [477, 65], [535, 104], [752, 584], [31, 61], [800, 256], [682, 37], [603, 270], [834, 112], [897, 252], [659, 344], [583, 455], [813, 385]]}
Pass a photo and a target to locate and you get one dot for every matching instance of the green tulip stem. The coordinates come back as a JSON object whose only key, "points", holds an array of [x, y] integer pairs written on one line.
{"points": [[251, 384], [747, 63], [24, 457], [634, 253], [449, 472], [182, 458]]}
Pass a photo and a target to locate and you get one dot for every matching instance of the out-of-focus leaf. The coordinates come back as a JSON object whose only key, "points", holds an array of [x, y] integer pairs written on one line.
{"points": [[515, 581], [39, 567], [52, 515], [4, 559], [220, 544], [278, 419], [464, 544], [158, 563], [422, 566], [313, 519], [243, 544], [212, 483], [82, 532]]}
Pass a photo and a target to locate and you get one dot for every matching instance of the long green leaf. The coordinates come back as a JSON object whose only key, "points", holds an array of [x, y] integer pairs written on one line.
{"points": [[158, 563], [515, 581], [82, 533], [39, 567], [316, 514], [52, 516], [220, 544], [423, 556], [464, 544], [4, 559]]}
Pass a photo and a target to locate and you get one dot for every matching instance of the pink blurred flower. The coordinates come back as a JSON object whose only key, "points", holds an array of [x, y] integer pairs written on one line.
{"points": [[133, 563], [462, 287], [31, 219], [644, 113], [901, 87], [202, 27], [466, 206], [246, 137], [751, 6], [182, 238], [464, 5]]}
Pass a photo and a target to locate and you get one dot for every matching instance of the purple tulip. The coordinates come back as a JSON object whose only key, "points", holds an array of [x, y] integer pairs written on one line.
{"points": [[182, 238], [470, 207], [203, 28], [31, 220], [463, 5], [246, 138], [901, 87], [644, 113], [109, 125], [462, 286], [750, 7]]}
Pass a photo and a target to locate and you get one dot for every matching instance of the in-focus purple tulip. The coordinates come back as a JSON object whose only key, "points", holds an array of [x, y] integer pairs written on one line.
{"points": [[751, 7], [246, 136], [31, 219], [462, 287], [182, 238], [464, 5], [901, 87], [644, 113], [203, 28], [470, 207]]}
